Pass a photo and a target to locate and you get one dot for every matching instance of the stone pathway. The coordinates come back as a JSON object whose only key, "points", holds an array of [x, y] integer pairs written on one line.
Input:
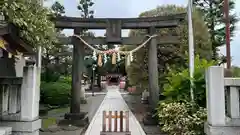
{"points": [[113, 101]]}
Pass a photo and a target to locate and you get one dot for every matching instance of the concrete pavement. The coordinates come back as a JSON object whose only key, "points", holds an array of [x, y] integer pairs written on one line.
{"points": [[113, 101]]}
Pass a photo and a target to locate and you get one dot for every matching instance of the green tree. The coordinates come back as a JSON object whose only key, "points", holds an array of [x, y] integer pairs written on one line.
{"points": [[55, 64], [169, 55], [213, 12], [235, 71], [58, 9], [85, 7], [178, 83], [32, 20]]}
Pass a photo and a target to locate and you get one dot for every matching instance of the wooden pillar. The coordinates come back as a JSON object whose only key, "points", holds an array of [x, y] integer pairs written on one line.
{"points": [[77, 70], [153, 70]]}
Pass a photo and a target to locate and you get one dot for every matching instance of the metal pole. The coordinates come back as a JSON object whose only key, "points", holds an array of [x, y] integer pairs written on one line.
{"points": [[39, 56], [191, 47], [227, 23], [93, 81], [39, 49]]}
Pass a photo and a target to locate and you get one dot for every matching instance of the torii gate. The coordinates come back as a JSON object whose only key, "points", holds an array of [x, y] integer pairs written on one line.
{"points": [[113, 28]]}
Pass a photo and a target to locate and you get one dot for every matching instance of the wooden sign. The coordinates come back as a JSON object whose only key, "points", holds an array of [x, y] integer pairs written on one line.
{"points": [[115, 121], [113, 31]]}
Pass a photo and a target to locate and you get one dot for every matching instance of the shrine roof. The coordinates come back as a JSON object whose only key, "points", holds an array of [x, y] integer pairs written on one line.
{"points": [[9, 33]]}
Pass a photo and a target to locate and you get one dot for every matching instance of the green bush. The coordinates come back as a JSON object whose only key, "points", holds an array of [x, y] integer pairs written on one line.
{"points": [[177, 87], [55, 93], [49, 76], [65, 79], [181, 118]]}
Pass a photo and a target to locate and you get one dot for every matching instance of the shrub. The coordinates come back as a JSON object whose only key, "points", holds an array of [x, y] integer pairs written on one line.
{"points": [[55, 93], [178, 83], [181, 118], [49, 76], [65, 79]]}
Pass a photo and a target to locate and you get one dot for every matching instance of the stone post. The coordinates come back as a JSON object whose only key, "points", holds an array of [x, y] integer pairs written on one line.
{"points": [[234, 110], [215, 96], [30, 93]]}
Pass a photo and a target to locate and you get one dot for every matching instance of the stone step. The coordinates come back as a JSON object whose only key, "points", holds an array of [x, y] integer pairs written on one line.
{"points": [[5, 130]]}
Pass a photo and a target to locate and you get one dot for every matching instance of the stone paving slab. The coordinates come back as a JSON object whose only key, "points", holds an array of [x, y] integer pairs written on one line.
{"points": [[5, 130], [75, 132], [103, 93], [113, 101]]}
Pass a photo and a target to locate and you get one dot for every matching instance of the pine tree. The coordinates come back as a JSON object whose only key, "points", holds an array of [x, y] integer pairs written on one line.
{"points": [[213, 12], [84, 6], [58, 9]]}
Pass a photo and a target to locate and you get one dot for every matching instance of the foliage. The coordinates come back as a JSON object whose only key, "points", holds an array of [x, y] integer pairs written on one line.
{"points": [[213, 12], [178, 83], [32, 20], [169, 55], [201, 34], [140, 75], [235, 71], [56, 61], [55, 93], [65, 79], [84, 6], [49, 76], [181, 118], [58, 9]]}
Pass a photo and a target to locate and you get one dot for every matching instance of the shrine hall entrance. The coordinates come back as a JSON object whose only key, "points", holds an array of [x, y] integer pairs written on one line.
{"points": [[113, 79]]}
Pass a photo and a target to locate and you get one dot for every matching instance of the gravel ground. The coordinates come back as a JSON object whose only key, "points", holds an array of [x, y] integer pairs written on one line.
{"points": [[93, 102], [139, 110]]}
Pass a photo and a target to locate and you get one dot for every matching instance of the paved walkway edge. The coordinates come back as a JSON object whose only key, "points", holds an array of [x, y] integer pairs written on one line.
{"points": [[95, 117], [133, 116]]}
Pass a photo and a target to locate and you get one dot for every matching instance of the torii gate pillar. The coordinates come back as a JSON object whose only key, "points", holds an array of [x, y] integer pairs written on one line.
{"points": [[75, 115], [153, 69]]}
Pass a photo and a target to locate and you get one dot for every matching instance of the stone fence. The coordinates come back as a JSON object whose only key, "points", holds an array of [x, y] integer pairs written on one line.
{"points": [[223, 106]]}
